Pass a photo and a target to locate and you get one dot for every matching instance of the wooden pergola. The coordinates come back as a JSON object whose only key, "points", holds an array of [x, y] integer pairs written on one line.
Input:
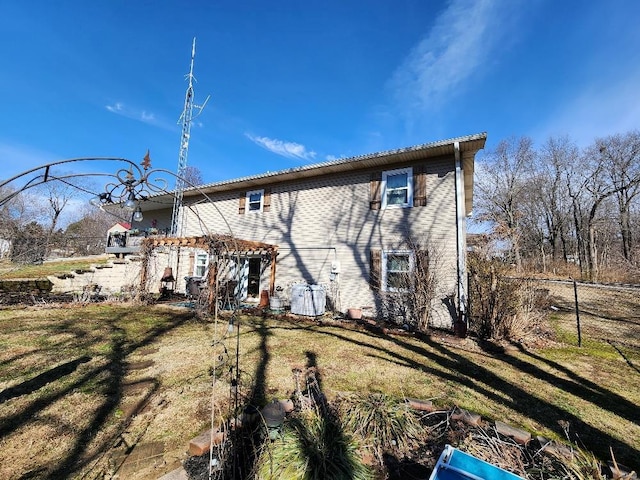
{"points": [[219, 246]]}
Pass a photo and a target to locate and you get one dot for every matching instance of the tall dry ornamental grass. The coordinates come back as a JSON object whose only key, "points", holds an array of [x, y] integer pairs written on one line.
{"points": [[502, 308]]}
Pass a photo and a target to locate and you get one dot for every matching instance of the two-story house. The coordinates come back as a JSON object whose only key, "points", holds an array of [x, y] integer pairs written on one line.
{"points": [[350, 226]]}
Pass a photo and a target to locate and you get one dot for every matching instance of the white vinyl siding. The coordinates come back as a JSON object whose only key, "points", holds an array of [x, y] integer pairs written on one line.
{"points": [[326, 219]]}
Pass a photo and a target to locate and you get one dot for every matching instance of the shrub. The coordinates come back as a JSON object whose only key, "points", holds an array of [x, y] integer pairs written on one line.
{"points": [[383, 423], [29, 244], [412, 301], [312, 445], [502, 307]]}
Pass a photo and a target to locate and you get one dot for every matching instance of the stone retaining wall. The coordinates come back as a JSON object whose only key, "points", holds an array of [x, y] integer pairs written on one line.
{"points": [[110, 278], [34, 286], [117, 276]]}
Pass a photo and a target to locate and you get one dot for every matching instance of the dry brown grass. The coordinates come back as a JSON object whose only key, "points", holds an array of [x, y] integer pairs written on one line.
{"points": [[607, 314], [71, 376]]}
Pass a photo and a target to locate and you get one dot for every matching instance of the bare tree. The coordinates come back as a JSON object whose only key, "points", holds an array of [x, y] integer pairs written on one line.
{"points": [[29, 244], [621, 155], [87, 235], [193, 176], [11, 211], [563, 202], [600, 183], [502, 184], [552, 192], [56, 196]]}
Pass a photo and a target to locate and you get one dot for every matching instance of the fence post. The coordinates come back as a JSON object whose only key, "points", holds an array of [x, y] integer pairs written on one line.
{"points": [[575, 294]]}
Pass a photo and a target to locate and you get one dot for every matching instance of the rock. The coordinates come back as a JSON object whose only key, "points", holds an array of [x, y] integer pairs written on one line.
{"points": [[469, 418], [520, 436]]}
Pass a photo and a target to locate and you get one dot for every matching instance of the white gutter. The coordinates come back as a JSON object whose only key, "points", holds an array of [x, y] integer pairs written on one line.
{"points": [[461, 233]]}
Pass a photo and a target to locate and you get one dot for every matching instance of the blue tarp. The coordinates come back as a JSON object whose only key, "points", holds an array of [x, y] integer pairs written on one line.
{"points": [[455, 464]]}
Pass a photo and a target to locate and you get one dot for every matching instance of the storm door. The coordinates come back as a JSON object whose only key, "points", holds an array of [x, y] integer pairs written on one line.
{"points": [[253, 287]]}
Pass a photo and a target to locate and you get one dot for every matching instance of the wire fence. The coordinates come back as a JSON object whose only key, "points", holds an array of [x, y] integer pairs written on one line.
{"points": [[602, 312], [37, 249], [584, 313]]}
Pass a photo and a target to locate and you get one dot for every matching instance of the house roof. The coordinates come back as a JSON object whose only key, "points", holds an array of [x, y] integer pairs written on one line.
{"points": [[125, 225], [468, 145]]}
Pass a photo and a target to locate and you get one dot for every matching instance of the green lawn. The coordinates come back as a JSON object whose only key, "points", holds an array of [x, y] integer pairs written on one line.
{"points": [[9, 270]]}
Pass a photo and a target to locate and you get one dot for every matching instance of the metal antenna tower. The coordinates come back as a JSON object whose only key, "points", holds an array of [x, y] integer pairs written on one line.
{"points": [[186, 118]]}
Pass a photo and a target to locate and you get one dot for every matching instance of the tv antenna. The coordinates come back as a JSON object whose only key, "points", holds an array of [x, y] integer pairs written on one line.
{"points": [[186, 119]]}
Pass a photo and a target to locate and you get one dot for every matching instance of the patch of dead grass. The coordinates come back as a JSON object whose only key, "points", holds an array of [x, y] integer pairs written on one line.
{"points": [[83, 413]]}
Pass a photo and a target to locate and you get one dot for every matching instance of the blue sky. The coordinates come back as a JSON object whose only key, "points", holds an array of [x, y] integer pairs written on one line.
{"points": [[298, 82]]}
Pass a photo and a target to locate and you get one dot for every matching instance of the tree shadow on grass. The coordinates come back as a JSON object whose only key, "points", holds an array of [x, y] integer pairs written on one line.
{"points": [[42, 379], [245, 441], [109, 387], [458, 369], [575, 384]]}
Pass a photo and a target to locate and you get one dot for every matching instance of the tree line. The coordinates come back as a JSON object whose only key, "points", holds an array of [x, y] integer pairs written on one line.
{"points": [[560, 205], [55, 218], [50, 220]]}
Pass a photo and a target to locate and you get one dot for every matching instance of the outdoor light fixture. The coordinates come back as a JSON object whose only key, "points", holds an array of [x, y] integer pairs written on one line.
{"points": [[131, 203], [129, 191], [137, 215]]}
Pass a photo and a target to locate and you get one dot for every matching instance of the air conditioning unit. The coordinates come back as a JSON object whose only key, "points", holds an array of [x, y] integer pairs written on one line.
{"points": [[309, 300]]}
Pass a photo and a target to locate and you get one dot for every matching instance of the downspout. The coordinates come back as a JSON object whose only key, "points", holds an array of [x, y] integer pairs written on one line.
{"points": [[460, 326]]}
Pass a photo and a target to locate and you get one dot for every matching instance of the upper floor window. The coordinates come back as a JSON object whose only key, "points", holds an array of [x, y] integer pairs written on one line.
{"points": [[255, 200], [397, 188]]}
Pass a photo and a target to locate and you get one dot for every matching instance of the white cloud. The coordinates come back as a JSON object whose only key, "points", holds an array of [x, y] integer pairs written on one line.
{"points": [[117, 107], [147, 117], [460, 41], [143, 116], [283, 148]]}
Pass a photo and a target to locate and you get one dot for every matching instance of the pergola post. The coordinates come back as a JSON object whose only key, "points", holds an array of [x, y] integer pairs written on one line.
{"points": [[213, 288], [272, 276]]}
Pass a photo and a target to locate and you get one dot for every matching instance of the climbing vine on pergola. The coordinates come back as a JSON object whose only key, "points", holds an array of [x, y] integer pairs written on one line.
{"points": [[218, 247]]}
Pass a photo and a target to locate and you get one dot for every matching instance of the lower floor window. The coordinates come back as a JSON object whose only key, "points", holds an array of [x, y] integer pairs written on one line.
{"points": [[396, 270], [201, 265]]}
